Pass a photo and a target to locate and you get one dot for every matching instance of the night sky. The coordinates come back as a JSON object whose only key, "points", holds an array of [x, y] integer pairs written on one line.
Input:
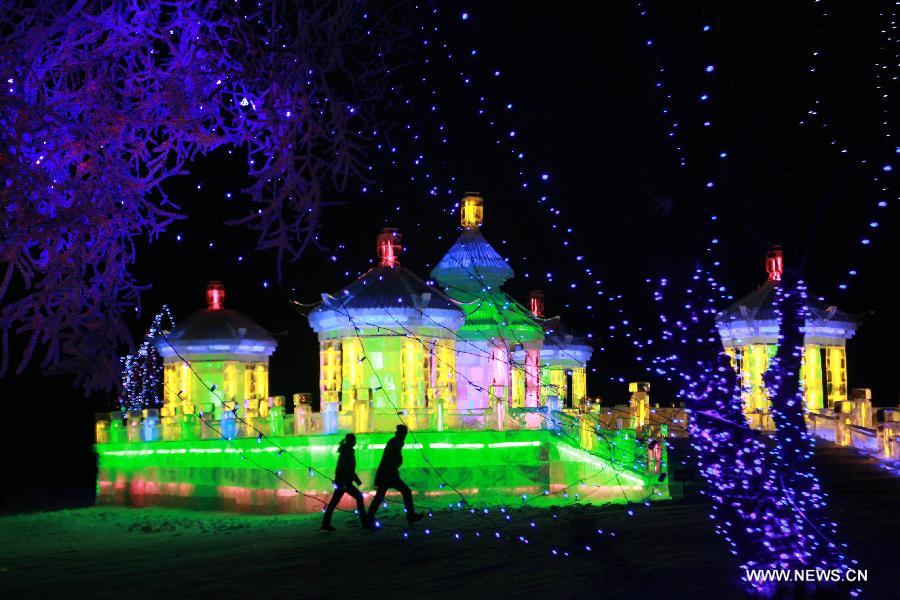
{"points": [[581, 77]]}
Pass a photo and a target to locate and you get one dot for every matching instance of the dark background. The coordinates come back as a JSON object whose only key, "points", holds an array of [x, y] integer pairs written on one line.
{"points": [[581, 79]]}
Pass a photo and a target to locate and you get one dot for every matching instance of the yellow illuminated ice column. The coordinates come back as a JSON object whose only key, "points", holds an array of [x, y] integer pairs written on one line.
{"points": [[579, 386], [811, 376], [554, 383], [330, 371], [836, 373], [348, 388], [751, 351], [827, 332], [754, 362], [177, 383], [518, 386], [414, 375], [442, 369], [751, 361]]}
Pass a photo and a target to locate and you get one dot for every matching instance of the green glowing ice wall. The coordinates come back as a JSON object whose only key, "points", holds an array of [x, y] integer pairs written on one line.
{"points": [[487, 467]]}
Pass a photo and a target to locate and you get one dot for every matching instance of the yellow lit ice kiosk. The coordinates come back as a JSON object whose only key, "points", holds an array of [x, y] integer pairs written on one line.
{"points": [[749, 332], [225, 349]]}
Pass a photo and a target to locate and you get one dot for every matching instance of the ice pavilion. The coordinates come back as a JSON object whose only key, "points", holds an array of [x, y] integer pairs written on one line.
{"points": [[749, 332]]}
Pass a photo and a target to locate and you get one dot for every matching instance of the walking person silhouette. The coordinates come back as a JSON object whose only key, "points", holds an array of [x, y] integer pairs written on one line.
{"points": [[388, 476], [344, 478]]}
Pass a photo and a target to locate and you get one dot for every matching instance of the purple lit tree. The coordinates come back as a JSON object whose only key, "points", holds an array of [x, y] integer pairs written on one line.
{"points": [[767, 502], [104, 102]]}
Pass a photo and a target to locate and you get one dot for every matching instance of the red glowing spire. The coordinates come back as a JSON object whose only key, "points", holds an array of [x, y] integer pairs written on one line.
{"points": [[389, 247], [536, 303], [775, 263], [215, 296]]}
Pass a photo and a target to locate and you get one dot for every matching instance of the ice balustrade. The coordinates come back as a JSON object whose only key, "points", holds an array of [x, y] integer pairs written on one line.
{"points": [[269, 418], [600, 430]]}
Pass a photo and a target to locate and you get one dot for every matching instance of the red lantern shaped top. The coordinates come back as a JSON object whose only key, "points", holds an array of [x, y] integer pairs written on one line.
{"points": [[775, 264], [389, 246], [215, 295]]}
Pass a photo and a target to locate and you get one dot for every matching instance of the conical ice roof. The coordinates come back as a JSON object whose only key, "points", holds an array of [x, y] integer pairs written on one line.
{"points": [[471, 265]]}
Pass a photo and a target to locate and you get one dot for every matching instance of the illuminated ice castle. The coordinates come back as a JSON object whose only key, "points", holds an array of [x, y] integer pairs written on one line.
{"points": [[493, 392], [389, 340]]}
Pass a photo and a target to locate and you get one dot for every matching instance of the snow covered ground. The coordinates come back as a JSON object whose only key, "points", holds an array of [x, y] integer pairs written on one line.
{"points": [[666, 550], [662, 551]]}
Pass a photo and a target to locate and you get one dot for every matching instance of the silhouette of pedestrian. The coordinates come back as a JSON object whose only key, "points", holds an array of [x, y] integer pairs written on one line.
{"points": [[344, 478], [388, 476]]}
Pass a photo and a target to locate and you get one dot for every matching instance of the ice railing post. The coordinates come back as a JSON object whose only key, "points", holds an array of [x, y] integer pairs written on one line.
{"points": [[552, 406], [302, 413], [150, 426], [330, 418], [499, 414], [276, 415]]}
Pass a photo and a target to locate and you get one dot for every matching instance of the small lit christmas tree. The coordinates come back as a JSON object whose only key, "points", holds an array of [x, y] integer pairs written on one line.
{"points": [[142, 372]]}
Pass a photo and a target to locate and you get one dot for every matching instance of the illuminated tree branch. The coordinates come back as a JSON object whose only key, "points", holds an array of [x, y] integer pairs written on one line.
{"points": [[104, 102]]}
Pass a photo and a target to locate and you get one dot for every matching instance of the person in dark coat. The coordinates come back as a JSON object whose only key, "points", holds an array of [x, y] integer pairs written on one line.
{"points": [[344, 478], [388, 476]]}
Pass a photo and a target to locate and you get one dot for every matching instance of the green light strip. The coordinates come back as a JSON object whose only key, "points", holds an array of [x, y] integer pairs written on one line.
{"points": [[383, 446], [513, 444], [600, 464], [274, 449]]}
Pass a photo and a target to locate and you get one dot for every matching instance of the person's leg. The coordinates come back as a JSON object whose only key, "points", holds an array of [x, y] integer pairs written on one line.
{"points": [[376, 502], [329, 510], [360, 506], [407, 497]]}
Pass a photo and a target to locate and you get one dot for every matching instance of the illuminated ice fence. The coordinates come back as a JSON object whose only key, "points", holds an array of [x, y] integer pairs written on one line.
{"points": [[493, 393]]}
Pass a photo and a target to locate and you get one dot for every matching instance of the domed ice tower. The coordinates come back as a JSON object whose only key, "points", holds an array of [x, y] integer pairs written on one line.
{"points": [[388, 337], [225, 348], [749, 332], [472, 273]]}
